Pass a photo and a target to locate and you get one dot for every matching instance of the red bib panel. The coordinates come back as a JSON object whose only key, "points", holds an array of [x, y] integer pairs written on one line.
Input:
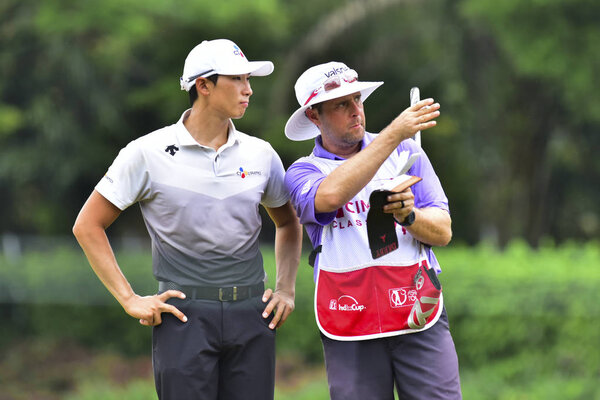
{"points": [[377, 301]]}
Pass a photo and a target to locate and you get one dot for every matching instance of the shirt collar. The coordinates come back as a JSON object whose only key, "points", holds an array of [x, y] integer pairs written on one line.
{"points": [[185, 138], [320, 151]]}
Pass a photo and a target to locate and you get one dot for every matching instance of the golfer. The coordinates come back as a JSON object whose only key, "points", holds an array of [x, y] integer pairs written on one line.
{"points": [[199, 184]]}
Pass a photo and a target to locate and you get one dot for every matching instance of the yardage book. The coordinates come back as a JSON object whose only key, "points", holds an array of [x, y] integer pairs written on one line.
{"points": [[398, 184], [381, 227]]}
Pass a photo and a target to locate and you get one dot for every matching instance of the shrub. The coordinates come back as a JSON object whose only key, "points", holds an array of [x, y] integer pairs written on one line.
{"points": [[523, 320]]}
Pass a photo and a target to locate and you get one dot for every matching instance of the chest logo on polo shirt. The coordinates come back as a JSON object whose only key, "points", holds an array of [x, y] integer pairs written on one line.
{"points": [[172, 149], [243, 173]]}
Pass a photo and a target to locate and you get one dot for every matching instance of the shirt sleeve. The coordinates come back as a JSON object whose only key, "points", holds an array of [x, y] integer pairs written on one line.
{"points": [[302, 180], [428, 192], [276, 193], [127, 179]]}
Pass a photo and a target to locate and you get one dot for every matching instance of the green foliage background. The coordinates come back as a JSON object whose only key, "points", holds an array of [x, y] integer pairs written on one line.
{"points": [[515, 144], [525, 322], [515, 148]]}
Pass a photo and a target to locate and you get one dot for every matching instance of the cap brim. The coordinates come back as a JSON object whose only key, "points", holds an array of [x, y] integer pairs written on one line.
{"points": [[254, 68], [299, 127]]}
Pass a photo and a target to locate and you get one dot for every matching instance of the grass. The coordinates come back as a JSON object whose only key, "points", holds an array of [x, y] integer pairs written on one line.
{"points": [[42, 369]]}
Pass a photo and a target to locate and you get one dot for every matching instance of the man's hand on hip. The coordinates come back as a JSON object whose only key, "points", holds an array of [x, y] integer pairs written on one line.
{"points": [[280, 301], [148, 309]]}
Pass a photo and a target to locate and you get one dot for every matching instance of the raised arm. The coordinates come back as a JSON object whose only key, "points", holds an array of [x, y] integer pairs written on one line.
{"points": [[354, 174]]}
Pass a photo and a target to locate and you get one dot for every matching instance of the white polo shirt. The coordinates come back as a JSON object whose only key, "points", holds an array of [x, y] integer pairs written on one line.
{"points": [[200, 206]]}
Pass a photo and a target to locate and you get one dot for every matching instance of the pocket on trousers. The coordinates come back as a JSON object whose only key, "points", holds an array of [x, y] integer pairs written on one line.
{"points": [[260, 306]]}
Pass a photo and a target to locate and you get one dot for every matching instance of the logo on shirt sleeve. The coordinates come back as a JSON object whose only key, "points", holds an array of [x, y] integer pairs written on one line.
{"points": [[306, 187]]}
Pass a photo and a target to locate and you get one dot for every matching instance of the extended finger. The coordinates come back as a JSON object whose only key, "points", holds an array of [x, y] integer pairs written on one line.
{"points": [[277, 318], [396, 203], [393, 207], [173, 310], [422, 104], [267, 295], [270, 306], [171, 293], [289, 308], [425, 117], [426, 125], [404, 195], [286, 313], [429, 107]]}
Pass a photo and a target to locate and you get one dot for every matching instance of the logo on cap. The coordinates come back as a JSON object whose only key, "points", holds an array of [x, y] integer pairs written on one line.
{"points": [[237, 51]]}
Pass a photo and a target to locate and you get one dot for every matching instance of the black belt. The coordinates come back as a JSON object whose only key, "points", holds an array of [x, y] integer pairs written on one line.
{"points": [[234, 293]]}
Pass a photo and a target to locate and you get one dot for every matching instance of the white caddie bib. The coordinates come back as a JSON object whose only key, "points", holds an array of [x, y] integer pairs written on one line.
{"points": [[357, 297]]}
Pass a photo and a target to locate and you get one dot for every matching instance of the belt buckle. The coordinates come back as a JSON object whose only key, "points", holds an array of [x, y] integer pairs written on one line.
{"points": [[223, 292]]}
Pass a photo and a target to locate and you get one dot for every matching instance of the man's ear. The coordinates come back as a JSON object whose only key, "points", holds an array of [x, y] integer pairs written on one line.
{"points": [[312, 115], [203, 86]]}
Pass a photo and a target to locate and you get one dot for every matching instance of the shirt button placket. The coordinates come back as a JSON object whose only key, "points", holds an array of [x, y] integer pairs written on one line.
{"points": [[216, 165]]}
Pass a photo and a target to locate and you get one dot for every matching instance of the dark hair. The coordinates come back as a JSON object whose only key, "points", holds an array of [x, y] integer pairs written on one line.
{"points": [[193, 93], [318, 107]]}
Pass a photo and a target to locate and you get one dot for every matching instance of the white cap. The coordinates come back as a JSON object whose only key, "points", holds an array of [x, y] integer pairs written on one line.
{"points": [[311, 89], [220, 56]]}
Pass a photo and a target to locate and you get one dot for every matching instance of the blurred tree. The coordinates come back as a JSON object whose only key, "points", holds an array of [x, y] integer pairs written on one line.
{"points": [[514, 146], [86, 78], [530, 68]]}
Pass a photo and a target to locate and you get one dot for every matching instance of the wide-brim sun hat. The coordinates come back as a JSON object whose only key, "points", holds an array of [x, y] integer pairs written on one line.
{"points": [[219, 56], [318, 84]]}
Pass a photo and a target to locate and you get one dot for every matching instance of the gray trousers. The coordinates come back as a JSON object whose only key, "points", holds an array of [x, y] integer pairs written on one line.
{"points": [[423, 365], [225, 351]]}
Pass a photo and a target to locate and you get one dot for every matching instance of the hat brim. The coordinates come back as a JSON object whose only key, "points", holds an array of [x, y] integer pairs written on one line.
{"points": [[299, 127], [254, 68]]}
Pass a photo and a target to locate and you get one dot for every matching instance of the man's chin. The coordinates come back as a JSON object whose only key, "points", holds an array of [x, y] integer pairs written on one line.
{"points": [[357, 131], [354, 137]]}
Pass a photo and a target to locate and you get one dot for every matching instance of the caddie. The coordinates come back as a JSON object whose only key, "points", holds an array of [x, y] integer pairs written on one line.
{"points": [[199, 184], [378, 301]]}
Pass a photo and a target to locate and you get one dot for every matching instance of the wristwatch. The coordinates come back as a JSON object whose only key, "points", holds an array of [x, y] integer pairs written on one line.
{"points": [[409, 220]]}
